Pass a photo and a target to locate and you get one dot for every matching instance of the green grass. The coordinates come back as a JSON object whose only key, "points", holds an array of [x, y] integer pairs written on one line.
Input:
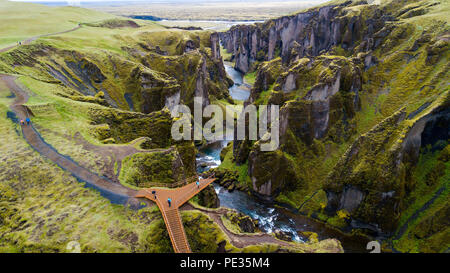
{"points": [[250, 78], [67, 211], [65, 116], [242, 170], [229, 225], [226, 56], [20, 21], [423, 192], [264, 96]]}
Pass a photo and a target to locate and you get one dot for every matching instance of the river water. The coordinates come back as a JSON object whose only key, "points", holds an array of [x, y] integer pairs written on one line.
{"points": [[240, 90], [269, 217]]}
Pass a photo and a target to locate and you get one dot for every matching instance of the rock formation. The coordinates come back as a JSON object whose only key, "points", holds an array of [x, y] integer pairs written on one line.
{"points": [[363, 107]]}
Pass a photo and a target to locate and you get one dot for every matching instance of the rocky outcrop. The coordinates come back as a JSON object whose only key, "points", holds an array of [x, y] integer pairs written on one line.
{"points": [[198, 74], [363, 107], [371, 180], [282, 235], [245, 223], [159, 169], [305, 34], [156, 89], [326, 91], [270, 172], [215, 46], [208, 197], [124, 126], [266, 76], [335, 90]]}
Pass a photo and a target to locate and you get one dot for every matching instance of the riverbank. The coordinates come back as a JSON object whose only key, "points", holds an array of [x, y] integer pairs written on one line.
{"points": [[270, 216]]}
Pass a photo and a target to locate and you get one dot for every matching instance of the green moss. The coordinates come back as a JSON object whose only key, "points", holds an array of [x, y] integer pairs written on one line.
{"points": [[337, 221], [241, 170], [250, 78], [144, 170], [52, 208], [203, 234], [316, 202], [207, 198], [226, 56]]}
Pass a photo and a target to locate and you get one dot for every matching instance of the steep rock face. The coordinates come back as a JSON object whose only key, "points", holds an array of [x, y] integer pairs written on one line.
{"points": [[159, 72], [373, 177], [270, 172], [267, 74], [327, 92], [157, 89], [363, 102], [208, 197], [323, 94], [215, 46], [304, 34], [196, 73]]}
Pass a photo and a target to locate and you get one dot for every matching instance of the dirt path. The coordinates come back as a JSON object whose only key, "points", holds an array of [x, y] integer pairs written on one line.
{"points": [[114, 192], [110, 153], [29, 40], [238, 240]]}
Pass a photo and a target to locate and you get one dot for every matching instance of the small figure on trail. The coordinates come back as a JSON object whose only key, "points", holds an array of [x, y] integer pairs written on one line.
{"points": [[198, 184], [20, 43], [169, 201], [28, 121], [22, 122], [154, 194]]}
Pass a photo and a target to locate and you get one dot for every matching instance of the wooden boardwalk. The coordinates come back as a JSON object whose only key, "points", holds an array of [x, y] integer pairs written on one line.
{"points": [[171, 214]]}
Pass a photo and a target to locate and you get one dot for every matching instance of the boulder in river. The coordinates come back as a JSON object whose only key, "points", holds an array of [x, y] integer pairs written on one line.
{"points": [[282, 235], [244, 222], [208, 198], [311, 236]]}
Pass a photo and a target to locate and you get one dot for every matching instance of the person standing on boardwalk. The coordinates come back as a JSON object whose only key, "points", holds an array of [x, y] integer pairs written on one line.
{"points": [[198, 184], [28, 121], [154, 194], [169, 201]]}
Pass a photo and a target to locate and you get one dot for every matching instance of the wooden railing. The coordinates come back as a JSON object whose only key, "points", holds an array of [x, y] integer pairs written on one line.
{"points": [[171, 214], [190, 193]]}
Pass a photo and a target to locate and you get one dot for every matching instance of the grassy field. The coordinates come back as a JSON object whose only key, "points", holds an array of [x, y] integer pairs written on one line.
{"points": [[17, 24]]}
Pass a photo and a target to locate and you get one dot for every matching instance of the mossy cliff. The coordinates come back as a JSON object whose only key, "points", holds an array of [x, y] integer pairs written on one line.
{"points": [[136, 72], [101, 95], [307, 33], [145, 73], [208, 198], [364, 107]]}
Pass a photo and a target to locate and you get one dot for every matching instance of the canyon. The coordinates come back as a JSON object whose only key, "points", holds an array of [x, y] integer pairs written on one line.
{"points": [[363, 95]]}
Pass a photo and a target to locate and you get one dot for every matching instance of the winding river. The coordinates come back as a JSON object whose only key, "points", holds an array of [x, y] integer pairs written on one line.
{"points": [[270, 218], [239, 91]]}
